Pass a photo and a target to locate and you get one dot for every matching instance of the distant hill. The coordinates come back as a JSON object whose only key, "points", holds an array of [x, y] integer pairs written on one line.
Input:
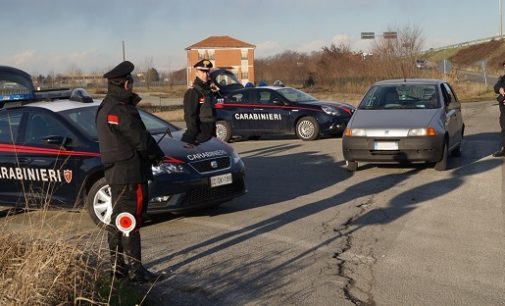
{"points": [[493, 52]]}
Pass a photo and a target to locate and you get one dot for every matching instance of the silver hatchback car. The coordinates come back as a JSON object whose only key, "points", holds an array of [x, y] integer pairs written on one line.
{"points": [[412, 120]]}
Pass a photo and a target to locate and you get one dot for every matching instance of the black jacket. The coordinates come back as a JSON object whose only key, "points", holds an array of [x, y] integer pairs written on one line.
{"points": [[127, 149], [199, 113]]}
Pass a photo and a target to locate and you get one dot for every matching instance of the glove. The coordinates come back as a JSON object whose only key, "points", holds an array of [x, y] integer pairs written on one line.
{"points": [[157, 161], [500, 98]]}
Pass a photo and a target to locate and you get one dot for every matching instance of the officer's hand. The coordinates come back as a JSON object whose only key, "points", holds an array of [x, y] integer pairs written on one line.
{"points": [[157, 161]]}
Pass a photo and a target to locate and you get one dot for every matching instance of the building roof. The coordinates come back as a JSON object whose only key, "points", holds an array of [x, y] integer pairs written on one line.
{"points": [[220, 42]]}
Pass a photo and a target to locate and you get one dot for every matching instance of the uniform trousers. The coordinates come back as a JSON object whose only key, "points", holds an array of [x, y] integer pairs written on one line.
{"points": [[502, 123], [130, 198]]}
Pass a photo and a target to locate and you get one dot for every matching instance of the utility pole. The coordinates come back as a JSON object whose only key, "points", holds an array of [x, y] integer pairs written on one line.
{"points": [[124, 51], [501, 21]]}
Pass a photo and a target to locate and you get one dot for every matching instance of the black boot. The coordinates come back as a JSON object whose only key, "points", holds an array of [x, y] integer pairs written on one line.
{"points": [[141, 275], [499, 153], [136, 271], [119, 268]]}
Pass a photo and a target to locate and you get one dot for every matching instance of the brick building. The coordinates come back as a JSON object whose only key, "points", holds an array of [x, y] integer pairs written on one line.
{"points": [[224, 52]]}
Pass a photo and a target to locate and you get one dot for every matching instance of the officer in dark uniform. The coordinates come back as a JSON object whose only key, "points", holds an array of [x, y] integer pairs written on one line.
{"points": [[127, 151], [499, 88], [199, 112]]}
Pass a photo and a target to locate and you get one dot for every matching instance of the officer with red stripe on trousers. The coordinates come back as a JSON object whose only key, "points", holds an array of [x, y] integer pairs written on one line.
{"points": [[127, 151]]}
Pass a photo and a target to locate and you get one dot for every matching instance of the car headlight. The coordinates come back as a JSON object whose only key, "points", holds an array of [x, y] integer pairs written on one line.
{"points": [[167, 168], [423, 132], [330, 110], [355, 132]]}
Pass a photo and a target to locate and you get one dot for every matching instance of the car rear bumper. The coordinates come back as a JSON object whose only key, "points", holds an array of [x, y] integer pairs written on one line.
{"points": [[412, 149]]}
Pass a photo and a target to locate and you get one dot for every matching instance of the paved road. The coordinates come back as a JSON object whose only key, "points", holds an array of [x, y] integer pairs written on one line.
{"points": [[310, 233]]}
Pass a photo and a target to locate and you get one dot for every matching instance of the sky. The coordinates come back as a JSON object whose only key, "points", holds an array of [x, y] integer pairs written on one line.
{"points": [[61, 36]]}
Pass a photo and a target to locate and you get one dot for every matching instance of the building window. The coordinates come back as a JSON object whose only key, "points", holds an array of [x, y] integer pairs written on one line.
{"points": [[244, 55], [212, 55], [245, 75], [201, 54]]}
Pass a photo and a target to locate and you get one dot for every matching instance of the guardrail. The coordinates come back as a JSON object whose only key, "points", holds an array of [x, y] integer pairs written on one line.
{"points": [[467, 43]]}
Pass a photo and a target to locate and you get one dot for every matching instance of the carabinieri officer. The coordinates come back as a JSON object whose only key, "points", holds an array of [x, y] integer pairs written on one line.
{"points": [[127, 151], [199, 113]]}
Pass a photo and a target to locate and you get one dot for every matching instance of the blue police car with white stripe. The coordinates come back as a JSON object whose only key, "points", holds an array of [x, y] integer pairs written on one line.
{"points": [[256, 111], [49, 156]]}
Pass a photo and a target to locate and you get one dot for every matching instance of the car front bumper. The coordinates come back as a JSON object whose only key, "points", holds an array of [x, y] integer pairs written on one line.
{"points": [[410, 149], [193, 194]]}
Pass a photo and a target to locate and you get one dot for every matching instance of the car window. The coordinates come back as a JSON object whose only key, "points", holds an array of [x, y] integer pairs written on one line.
{"points": [[236, 98], [154, 124], [401, 96], [9, 126], [447, 91], [41, 125], [296, 95]]}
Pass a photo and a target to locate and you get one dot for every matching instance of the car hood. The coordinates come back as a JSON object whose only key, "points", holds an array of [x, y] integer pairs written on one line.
{"points": [[175, 148], [339, 105], [398, 118]]}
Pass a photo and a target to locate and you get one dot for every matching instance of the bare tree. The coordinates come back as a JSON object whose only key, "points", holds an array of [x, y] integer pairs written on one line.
{"points": [[148, 64], [397, 55]]}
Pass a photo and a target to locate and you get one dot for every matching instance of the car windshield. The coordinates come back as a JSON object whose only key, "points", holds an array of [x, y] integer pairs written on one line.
{"points": [[295, 95], [84, 119], [401, 96]]}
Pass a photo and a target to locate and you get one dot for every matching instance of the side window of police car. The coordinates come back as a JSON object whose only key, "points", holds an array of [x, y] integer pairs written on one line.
{"points": [[42, 126], [9, 126]]}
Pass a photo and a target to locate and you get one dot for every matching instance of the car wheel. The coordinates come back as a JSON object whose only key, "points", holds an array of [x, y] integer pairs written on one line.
{"points": [[223, 131], [99, 203], [351, 166], [456, 151], [307, 128], [441, 165]]}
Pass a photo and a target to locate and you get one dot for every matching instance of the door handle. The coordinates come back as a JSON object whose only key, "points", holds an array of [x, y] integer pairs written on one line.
{"points": [[256, 109], [23, 160]]}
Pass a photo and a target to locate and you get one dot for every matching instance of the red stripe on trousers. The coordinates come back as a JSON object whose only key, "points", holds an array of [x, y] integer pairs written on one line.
{"points": [[140, 202]]}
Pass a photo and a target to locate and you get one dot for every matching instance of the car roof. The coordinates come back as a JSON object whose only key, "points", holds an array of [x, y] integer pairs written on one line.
{"points": [[410, 81], [61, 105]]}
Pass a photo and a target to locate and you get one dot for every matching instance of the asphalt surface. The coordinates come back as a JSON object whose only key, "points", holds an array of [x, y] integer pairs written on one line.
{"points": [[310, 233]]}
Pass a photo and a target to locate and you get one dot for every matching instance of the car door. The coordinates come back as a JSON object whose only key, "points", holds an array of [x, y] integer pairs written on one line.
{"points": [[235, 110], [272, 115], [52, 158], [10, 185], [454, 120]]}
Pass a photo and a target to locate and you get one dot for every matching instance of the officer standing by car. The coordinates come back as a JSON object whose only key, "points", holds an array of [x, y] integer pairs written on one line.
{"points": [[499, 88], [199, 101], [127, 151]]}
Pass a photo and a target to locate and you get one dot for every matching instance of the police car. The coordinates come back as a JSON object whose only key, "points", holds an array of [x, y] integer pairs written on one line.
{"points": [[256, 111], [49, 156]]}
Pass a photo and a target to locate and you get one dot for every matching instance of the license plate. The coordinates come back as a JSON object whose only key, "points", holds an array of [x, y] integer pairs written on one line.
{"points": [[385, 145], [220, 180]]}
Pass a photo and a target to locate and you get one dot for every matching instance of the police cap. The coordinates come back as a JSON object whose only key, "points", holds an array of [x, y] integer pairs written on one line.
{"points": [[120, 71], [204, 65]]}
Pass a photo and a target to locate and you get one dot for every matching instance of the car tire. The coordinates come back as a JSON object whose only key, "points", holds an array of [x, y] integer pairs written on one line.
{"points": [[99, 203], [456, 152], [223, 131], [351, 166], [441, 165], [307, 129]]}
